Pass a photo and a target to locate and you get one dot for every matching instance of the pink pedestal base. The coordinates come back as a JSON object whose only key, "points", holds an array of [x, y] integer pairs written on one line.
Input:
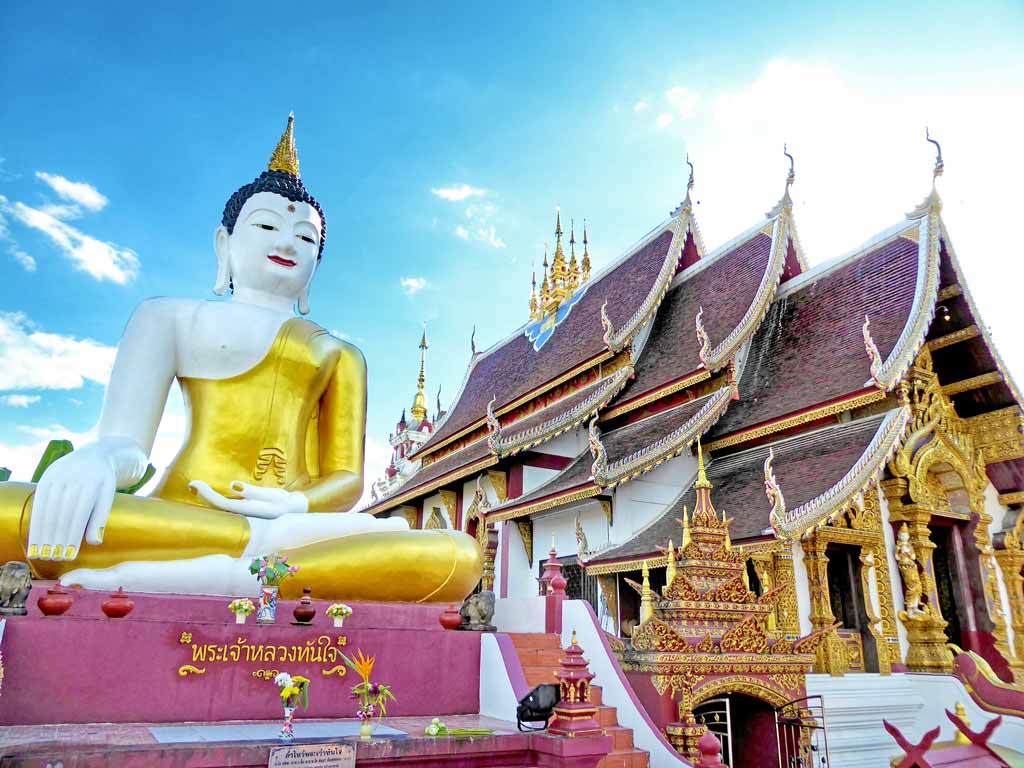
{"points": [[179, 659]]}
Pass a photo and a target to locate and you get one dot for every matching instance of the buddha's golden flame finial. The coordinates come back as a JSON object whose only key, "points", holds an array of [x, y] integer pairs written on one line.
{"points": [[285, 158]]}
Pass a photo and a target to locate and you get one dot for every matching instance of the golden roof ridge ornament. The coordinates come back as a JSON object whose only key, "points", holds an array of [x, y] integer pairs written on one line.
{"points": [[687, 205], [785, 202], [285, 157], [774, 493], [585, 263], [702, 336], [932, 203]]}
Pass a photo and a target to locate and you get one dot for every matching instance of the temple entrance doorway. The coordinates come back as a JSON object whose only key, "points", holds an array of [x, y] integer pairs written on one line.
{"points": [[746, 727], [948, 583], [846, 596]]}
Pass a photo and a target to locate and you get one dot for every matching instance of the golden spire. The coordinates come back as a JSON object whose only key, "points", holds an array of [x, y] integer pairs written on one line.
{"points": [[686, 529], [285, 158], [559, 271], [534, 306], [545, 288], [419, 402], [670, 565], [574, 267], [646, 602], [585, 264], [704, 514]]}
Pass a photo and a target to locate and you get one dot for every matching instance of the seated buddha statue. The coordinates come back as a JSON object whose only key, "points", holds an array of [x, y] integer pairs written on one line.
{"points": [[273, 457]]}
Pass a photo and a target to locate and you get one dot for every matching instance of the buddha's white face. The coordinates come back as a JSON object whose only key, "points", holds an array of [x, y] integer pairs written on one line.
{"points": [[273, 247]]}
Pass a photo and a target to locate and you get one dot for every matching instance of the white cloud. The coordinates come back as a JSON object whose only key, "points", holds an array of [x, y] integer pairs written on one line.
{"points": [[683, 101], [458, 192], [461, 231], [19, 401], [78, 192], [413, 285], [104, 261], [664, 120], [27, 262], [60, 211], [33, 359], [640, 106], [480, 217]]}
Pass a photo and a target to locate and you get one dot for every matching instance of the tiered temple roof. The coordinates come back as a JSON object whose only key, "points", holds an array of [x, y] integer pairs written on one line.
{"points": [[746, 345]]}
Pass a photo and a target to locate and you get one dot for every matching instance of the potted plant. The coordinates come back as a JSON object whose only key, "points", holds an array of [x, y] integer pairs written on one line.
{"points": [[241, 607], [339, 612], [270, 570], [372, 696], [294, 689]]}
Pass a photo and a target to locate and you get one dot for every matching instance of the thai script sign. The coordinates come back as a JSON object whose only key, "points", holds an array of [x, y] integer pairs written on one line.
{"points": [[320, 650], [313, 756]]}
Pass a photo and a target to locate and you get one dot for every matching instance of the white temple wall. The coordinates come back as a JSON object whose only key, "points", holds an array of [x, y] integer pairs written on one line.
{"points": [[522, 581], [429, 504], [803, 588], [998, 513], [534, 477], [894, 575], [639, 502], [570, 444]]}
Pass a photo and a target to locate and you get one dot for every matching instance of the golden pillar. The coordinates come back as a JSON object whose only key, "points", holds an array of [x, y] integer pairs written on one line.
{"points": [[831, 656], [787, 612], [1011, 562]]}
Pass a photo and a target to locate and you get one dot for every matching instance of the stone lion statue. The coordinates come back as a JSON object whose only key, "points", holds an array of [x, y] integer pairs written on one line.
{"points": [[15, 584], [477, 612]]}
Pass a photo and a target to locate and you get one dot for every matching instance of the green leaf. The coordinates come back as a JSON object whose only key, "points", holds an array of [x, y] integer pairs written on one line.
{"points": [[147, 475], [5, 474], [55, 450]]}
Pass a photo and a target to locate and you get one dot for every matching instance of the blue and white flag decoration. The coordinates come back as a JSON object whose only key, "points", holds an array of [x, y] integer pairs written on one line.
{"points": [[539, 331]]}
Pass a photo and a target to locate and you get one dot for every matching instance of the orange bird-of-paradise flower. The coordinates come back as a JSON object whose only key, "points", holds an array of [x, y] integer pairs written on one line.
{"points": [[361, 665]]}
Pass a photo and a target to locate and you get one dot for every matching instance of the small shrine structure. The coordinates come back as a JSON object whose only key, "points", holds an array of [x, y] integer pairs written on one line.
{"points": [[708, 634]]}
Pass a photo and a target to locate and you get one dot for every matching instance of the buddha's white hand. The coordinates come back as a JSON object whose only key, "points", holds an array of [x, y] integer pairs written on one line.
{"points": [[254, 501], [75, 494]]}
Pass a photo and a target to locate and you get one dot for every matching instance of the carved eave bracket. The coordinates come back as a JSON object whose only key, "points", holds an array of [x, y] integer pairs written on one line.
{"points": [[792, 524]]}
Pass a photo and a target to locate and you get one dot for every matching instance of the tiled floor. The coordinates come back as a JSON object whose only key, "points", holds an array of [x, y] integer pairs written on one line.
{"points": [[18, 737]]}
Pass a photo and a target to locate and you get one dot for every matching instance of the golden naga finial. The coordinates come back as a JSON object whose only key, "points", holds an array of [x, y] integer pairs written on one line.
{"points": [[606, 324], [939, 167], [791, 177], [702, 337], [874, 356], [597, 450], [472, 342], [285, 158], [773, 492]]}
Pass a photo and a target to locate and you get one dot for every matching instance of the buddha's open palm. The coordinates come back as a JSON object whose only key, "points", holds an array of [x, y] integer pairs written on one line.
{"points": [[73, 498], [253, 500]]}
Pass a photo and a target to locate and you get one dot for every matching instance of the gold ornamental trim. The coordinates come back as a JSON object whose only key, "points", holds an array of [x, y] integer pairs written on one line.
{"points": [[720, 356], [975, 382], [950, 292], [800, 522], [525, 439], [617, 340], [623, 566], [684, 383], [1006, 499], [456, 474], [566, 497], [956, 337], [805, 417], [660, 451]]}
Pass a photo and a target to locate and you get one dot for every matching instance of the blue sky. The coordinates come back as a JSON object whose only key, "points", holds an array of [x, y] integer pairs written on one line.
{"points": [[440, 140]]}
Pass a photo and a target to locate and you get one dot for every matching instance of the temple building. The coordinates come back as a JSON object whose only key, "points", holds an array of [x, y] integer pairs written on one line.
{"points": [[853, 420], [410, 433]]}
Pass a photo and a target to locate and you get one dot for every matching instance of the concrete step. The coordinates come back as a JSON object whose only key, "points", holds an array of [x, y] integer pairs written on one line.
{"points": [[595, 694], [622, 738], [607, 716], [536, 657]]}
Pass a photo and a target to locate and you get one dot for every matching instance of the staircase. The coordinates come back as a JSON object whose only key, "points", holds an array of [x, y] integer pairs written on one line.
{"points": [[539, 656]]}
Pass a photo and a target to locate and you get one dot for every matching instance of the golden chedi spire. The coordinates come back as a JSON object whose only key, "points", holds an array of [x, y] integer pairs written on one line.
{"points": [[545, 287], [670, 565], [704, 513], [534, 304], [285, 158], [574, 267], [646, 597], [585, 263], [419, 402], [559, 269]]}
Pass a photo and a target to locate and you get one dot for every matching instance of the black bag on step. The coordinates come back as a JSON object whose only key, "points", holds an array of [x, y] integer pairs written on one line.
{"points": [[538, 706]]}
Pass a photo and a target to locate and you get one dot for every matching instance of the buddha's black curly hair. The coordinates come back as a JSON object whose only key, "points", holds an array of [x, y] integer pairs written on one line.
{"points": [[280, 183]]}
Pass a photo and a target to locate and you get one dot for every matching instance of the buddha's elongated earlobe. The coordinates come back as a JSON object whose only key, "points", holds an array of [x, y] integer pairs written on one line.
{"points": [[304, 301], [220, 247]]}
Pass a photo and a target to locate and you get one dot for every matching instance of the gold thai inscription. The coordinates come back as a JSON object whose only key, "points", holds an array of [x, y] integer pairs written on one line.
{"points": [[323, 649]]}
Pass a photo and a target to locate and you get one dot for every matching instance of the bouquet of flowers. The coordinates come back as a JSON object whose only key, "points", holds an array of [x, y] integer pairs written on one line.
{"points": [[294, 688], [437, 728], [371, 695], [339, 612], [241, 607], [270, 570]]}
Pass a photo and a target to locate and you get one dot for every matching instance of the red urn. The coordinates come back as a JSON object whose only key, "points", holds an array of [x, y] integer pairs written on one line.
{"points": [[55, 602], [304, 611], [450, 618], [118, 605]]}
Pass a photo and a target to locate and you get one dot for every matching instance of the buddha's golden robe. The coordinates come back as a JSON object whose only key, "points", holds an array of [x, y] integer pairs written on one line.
{"points": [[294, 421]]}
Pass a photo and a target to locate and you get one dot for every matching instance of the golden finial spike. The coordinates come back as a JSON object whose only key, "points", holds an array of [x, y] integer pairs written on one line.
{"points": [[285, 158], [686, 529], [702, 478], [670, 565], [419, 402], [574, 638]]}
